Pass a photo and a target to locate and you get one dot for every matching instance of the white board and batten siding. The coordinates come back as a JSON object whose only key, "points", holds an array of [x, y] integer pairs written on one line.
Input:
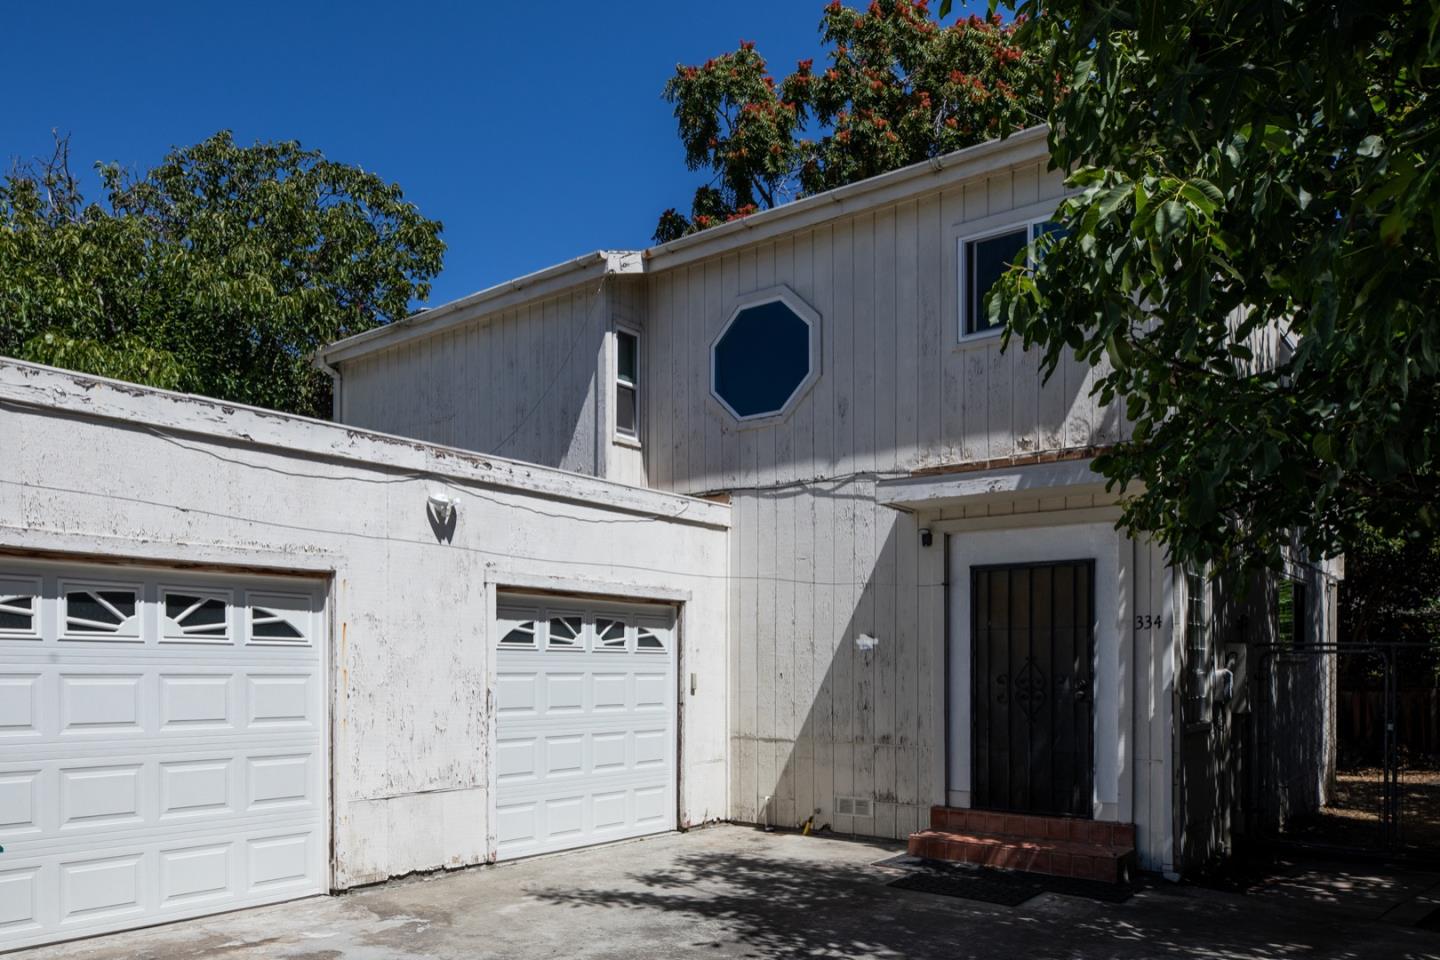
{"points": [[522, 383], [815, 561], [162, 746], [534, 382]]}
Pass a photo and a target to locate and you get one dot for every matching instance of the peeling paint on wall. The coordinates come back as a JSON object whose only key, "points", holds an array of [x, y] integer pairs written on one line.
{"points": [[95, 475]]}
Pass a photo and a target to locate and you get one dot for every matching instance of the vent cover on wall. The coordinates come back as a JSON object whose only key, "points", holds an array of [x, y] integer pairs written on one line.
{"points": [[853, 806]]}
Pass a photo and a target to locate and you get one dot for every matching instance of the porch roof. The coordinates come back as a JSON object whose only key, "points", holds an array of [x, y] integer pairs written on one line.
{"points": [[967, 485]]}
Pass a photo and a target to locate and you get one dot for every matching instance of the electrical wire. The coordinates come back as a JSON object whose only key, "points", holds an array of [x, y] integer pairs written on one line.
{"points": [[492, 554]]}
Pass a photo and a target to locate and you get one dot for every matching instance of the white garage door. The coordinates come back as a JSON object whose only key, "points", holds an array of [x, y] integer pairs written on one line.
{"points": [[585, 748], [162, 747]]}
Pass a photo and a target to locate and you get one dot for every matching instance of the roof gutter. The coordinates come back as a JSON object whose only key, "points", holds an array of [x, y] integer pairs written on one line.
{"points": [[1023, 146], [1028, 145], [334, 373]]}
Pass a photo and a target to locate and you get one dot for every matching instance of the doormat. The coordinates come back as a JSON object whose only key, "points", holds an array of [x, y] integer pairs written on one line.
{"points": [[1003, 887]]}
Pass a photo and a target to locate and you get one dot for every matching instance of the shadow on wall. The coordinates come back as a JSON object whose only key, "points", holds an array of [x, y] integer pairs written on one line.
{"points": [[1245, 773], [820, 716], [816, 719]]}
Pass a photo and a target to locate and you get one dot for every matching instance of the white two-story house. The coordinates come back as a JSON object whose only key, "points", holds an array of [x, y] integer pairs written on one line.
{"points": [[930, 605], [759, 525]]}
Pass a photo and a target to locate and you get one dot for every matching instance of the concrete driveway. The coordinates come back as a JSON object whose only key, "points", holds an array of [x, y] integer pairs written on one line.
{"points": [[735, 892]]}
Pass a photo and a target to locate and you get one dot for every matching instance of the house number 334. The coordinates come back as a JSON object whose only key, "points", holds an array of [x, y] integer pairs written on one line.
{"points": [[1148, 621]]}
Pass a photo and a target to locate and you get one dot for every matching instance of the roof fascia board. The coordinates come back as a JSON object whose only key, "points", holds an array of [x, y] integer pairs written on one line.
{"points": [[512, 293], [36, 386], [1070, 477], [1026, 146]]}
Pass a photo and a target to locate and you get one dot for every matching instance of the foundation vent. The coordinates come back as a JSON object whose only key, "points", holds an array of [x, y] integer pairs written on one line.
{"points": [[854, 806]]}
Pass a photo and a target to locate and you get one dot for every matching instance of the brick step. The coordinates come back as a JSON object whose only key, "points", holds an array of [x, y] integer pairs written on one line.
{"points": [[1055, 846], [1032, 826]]}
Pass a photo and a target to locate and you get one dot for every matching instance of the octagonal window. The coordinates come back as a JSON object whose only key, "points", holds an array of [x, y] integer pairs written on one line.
{"points": [[766, 356]]}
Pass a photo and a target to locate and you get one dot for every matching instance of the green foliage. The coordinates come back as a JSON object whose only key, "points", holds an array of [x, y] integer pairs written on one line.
{"points": [[1252, 258], [218, 272], [900, 89], [1391, 592]]}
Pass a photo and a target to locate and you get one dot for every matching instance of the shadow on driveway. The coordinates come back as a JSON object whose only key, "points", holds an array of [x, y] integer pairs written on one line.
{"points": [[806, 898], [733, 892]]}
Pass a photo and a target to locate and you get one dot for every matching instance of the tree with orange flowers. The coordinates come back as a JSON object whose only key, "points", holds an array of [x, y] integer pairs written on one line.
{"points": [[900, 88]]}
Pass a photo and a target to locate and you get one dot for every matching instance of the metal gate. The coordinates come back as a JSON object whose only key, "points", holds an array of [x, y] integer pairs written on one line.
{"points": [[1275, 710], [1033, 646]]}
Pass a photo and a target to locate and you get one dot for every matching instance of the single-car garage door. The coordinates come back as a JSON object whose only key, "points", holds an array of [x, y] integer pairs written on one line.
{"points": [[585, 748], [162, 746]]}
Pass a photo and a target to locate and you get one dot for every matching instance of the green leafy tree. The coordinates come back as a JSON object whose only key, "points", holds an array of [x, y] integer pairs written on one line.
{"points": [[219, 272], [899, 89], [1252, 259], [1391, 592]]}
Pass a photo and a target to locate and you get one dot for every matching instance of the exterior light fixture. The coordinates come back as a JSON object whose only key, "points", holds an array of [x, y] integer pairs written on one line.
{"points": [[442, 507], [926, 538]]}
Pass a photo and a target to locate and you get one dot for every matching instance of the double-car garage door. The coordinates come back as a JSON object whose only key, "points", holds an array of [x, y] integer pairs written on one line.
{"points": [[586, 738], [162, 746]]}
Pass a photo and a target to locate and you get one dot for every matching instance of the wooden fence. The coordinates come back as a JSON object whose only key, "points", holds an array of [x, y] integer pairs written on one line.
{"points": [[1360, 719]]}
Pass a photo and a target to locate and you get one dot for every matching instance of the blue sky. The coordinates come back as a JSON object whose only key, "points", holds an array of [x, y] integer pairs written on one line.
{"points": [[534, 130]]}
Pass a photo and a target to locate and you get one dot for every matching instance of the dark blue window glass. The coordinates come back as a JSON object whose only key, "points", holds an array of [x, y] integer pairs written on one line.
{"points": [[761, 358]]}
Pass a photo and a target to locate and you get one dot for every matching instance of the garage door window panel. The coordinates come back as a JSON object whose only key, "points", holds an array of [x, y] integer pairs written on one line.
{"points": [[196, 617], [102, 612], [517, 634], [611, 635], [279, 619], [566, 633], [19, 609]]}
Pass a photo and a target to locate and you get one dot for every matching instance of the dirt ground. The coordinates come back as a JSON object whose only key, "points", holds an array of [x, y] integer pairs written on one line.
{"points": [[1352, 819]]}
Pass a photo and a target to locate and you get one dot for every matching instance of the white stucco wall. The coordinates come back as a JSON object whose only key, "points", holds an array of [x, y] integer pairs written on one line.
{"points": [[107, 471]]}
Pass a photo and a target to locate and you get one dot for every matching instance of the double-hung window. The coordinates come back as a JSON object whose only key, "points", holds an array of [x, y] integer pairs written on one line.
{"points": [[982, 261], [627, 385]]}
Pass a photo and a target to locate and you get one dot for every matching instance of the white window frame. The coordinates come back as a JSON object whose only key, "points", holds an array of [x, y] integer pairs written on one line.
{"points": [[282, 605], [226, 597], [67, 586], [23, 586], [1300, 603], [985, 230], [618, 435]]}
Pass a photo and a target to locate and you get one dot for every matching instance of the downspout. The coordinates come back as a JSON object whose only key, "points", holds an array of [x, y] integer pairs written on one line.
{"points": [[335, 379]]}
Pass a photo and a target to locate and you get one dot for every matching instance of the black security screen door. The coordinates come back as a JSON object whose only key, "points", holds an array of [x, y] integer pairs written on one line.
{"points": [[1033, 647]]}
